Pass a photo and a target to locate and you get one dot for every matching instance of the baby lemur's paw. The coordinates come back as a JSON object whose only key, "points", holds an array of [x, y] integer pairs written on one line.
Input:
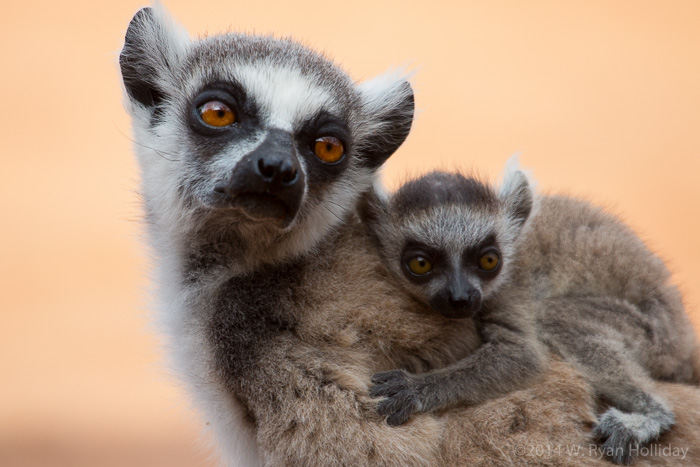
{"points": [[624, 434], [400, 390]]}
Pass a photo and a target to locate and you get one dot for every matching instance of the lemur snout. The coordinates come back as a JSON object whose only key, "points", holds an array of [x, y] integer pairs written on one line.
{"points": [[463, 299], [457, 304], [269, 182]]}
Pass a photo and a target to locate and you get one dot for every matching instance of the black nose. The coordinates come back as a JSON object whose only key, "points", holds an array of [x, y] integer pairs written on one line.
{"points": [[277, 170], [461, 302], [465, 302]]}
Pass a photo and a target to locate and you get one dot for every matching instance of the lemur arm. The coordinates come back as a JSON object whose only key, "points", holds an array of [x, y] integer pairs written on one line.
{"points": [[510, 357]]}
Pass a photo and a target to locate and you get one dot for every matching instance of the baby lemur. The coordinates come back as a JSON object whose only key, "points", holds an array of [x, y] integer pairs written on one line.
{"points": [[563, 275]]}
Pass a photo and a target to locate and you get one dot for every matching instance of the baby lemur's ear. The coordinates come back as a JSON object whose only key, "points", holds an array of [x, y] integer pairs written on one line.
{"points": [[387, 115], [154, 46], [516, 194]]}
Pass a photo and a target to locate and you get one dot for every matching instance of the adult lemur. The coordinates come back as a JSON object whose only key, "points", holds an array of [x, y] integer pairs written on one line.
{"points": [[253, 152], [575, 278], [278, 310]]}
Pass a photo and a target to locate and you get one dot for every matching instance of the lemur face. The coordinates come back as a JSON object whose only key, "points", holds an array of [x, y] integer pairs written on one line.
{"points": [[262, 138], [451, 256], [255, 130], [449, 239], [453, 278]]}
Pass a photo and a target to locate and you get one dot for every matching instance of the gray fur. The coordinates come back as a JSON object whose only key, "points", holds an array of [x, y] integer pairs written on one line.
{"points": [[608, 306], [576, 279]]}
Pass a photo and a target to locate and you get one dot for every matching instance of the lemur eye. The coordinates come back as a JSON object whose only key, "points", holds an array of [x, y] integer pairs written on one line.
{"points": [[217, 114], [329, 149], [420, 265], [489, 261]]}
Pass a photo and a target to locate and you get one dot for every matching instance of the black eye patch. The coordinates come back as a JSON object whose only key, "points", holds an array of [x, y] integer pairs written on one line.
{"points": [[207, 140], [233, 96], [324, 124]]}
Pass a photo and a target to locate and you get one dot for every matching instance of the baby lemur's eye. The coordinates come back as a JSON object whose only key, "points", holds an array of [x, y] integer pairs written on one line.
{"points": [[419, 265], [489, 261], [217, 114], [329, 149]]}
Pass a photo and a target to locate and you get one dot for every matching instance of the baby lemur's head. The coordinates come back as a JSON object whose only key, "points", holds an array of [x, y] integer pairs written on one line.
{"points": [[449, 239]]}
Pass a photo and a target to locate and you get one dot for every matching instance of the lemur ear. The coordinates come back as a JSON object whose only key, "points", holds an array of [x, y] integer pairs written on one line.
{"points": [[516, 194], [387, 115], [374, 204], [153, 48]]}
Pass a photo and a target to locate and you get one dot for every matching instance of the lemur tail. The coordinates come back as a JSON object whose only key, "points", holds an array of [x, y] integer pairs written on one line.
{"points": [[623, 434]]}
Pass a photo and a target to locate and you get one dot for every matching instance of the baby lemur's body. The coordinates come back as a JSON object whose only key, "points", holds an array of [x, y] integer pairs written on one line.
{"points": [[573, 278]]}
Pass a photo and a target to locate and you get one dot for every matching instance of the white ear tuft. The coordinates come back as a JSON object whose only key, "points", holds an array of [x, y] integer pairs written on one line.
{"points": [[516, 192], [390, 89], [179, 37], [508, 176], [386, 116]]}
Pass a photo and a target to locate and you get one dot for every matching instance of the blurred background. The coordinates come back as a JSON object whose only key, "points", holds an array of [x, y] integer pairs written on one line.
{"points": [[601, 98]]}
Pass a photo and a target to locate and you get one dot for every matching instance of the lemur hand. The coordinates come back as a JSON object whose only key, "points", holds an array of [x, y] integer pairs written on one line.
{"points": [[400, 390]]}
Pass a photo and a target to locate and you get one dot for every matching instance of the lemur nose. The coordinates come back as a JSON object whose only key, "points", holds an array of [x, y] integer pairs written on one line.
{"points": [[460, 302], [466, 300], [277, 171]]}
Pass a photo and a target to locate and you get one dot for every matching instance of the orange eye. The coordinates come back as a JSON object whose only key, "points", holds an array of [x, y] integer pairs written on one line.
{"points": [[420, 265], [489, 261], [329, 149], [217, 114]]}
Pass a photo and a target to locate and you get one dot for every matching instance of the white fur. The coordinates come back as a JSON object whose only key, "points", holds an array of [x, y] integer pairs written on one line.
{"points": [[189, 357], [511, 180], [284, 94], [192, 360], [509, 177], [379, 92]]}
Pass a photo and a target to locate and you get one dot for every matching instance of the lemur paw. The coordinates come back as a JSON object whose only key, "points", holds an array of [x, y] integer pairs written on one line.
{"points": [[400, 392]]}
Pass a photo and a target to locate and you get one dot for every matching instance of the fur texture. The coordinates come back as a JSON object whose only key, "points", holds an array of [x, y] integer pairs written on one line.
{"points": [[276, 324], [609, 308]]}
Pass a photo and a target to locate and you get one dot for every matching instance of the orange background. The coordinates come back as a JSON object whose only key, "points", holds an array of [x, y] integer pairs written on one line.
{"points": [[602, 98]]}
